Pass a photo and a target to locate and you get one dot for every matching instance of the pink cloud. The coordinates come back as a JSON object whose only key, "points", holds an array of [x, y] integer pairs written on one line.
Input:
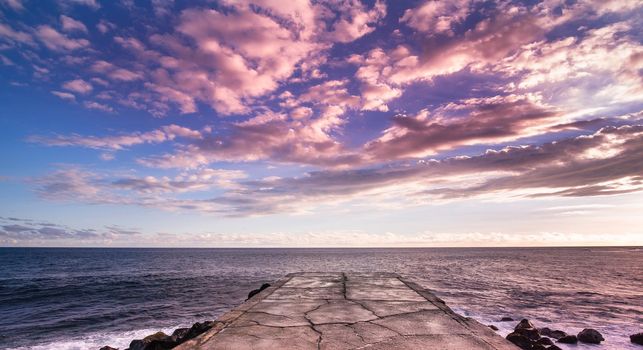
{"points": [[71, 25], [267, 136], [566, 167], [481, 121], [98, 106], [124, 75], [118, 142], [56, 41], [229, 58], [356, 21], [13, 35], [332, 92], [607, 56], [437, 17], [78, 85]]}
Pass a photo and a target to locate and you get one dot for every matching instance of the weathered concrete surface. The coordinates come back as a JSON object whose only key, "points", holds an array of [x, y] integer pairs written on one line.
{"points": [[346, 311]]}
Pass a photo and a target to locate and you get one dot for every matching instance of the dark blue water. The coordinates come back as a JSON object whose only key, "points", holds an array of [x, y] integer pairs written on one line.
{"points": [[86, 298]]}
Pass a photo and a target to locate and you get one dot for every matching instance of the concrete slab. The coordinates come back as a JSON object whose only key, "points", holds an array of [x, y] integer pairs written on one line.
{"points": [[340, 311], [337, 311]]}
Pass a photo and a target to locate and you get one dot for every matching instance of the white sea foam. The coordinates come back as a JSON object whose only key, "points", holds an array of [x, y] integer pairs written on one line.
{"points": [[95, 341]]}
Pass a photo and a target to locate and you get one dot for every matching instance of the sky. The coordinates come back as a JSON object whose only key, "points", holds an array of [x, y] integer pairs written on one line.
{"points": [[267, 123]]}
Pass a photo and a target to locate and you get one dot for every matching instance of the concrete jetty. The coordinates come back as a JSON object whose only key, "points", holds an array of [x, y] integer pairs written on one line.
{"points": [[311, 310]]}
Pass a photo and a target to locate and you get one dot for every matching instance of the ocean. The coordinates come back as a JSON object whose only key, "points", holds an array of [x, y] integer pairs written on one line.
{"points": [[59, 298]]}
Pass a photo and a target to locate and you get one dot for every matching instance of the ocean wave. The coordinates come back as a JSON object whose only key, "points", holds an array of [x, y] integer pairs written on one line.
{"points": [[95, 341]]}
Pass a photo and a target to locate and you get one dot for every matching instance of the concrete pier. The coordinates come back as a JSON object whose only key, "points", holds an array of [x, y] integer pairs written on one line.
{"points": [[346, 311]]}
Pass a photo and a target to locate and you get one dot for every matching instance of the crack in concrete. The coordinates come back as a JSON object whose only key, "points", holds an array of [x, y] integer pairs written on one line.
{"points": [[344, 285], [312, 325], [385, 327]]}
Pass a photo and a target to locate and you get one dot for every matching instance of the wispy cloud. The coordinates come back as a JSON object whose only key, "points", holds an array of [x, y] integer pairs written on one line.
{"points": [[561, 168], [163, 134], [21, 231]]}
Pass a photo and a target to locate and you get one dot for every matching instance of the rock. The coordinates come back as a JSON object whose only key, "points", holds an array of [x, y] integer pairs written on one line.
{"points": [[554, 347], [551, 333], [545, 341], [524, 324], [108, 348], [531, 333], [179, 334], [637, 338], [196, 330], [257, 291], [568, 339], [590, 336], [537, 346], [493, 327], [506, 319], [156, 341], [520, 341]]}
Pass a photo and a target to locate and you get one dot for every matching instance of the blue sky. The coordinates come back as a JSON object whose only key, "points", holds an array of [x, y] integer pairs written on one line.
{"points": [[338, 123]]}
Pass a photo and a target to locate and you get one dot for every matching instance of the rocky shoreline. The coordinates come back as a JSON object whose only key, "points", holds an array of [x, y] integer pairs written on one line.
{"points": [[527, 337], [162, 341]]}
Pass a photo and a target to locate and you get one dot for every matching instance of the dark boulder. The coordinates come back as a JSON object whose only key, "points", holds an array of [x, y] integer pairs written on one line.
{"points": [[257, 291], [524, 324], [556, 334], [493, 327], [506, 319], [520, 341], [108, 348], [156, 341], [554, 347], [545, 341], [531, 333], [568, 339], [637, 338], [590, 336], [179, 334], [194, 331], [536, 346]]}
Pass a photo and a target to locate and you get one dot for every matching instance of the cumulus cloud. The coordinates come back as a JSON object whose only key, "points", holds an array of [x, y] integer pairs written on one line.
{"points": [[437, 17], [356, 21], [56, 41], [78, 85], [8, 33], [71, 25], [229, 58], [600, 68], [114, 72], [98, 106]]}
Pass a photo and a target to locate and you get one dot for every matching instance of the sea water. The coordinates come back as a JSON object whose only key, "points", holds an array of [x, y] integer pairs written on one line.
{"points": [[86, 298]]}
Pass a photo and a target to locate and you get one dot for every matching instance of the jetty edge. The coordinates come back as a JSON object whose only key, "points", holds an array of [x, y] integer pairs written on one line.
{"points": [[326, 310]]}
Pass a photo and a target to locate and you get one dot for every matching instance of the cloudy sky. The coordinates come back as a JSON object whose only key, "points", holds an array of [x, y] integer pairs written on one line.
{"points": [[332, 123]]}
